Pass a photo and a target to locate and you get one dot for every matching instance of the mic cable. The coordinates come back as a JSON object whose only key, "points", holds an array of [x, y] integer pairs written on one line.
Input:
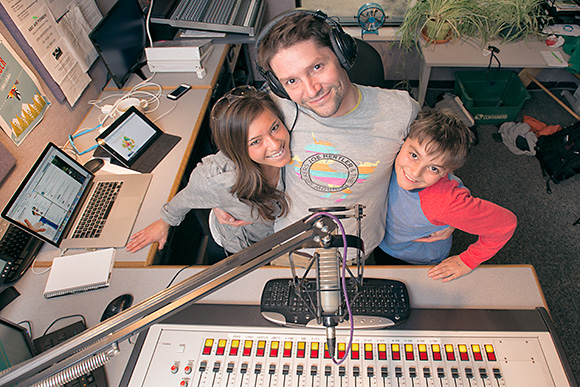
{"points": [[330, 300]]}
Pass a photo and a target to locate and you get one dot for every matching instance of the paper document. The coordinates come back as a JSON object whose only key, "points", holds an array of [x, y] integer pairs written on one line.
{"points": [[554, 59]]}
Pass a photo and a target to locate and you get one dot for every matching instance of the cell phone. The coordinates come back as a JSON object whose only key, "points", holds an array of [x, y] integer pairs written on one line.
{"points": [[179, 91]]}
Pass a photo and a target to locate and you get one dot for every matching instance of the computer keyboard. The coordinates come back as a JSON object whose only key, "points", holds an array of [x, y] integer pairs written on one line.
{"points": [[380, 303], [17, 247], [96, 378], [97, 211]]}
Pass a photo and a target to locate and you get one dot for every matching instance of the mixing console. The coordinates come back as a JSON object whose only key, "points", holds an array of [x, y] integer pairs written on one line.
{"points": [[227, 356]]}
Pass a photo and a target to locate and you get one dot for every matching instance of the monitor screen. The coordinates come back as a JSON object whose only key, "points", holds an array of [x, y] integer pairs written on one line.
{"points": [[48, 196], [15, 345], [120, 40]]}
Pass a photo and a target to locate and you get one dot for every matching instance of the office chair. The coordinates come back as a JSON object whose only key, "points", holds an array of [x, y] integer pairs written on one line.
{"points": [[368, 67]]}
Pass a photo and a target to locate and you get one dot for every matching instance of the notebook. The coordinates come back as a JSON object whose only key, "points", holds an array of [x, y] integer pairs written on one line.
{"points": [[554, 59], [59, 202], [79, 273]]}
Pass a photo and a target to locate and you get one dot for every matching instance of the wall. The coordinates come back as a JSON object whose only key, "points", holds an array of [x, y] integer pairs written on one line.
{"points": [[60, 120]]}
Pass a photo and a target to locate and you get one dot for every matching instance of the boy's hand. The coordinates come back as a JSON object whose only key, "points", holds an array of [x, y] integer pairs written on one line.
{"points": [[437, 235], [449, 269], [225, 218]]}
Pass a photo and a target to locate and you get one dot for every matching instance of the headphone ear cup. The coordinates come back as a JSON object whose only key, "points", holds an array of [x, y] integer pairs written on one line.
{"points": [[275, 85], [344, 47]]}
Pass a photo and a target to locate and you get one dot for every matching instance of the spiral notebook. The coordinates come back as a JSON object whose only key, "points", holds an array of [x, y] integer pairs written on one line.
{"points": [[80, 273]]}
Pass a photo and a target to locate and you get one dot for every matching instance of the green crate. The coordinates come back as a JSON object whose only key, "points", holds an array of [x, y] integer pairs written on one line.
{"points": [[491, 102]]}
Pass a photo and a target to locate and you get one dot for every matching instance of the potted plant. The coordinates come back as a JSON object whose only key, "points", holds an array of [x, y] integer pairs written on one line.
{"points": [[513, 20], [440, 20]]}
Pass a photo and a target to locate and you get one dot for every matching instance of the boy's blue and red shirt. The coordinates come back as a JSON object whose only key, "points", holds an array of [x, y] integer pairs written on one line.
{"points": [[418, 213]]}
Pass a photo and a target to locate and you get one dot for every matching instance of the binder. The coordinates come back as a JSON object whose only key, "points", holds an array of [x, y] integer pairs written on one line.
{"points": [[80, 273]]}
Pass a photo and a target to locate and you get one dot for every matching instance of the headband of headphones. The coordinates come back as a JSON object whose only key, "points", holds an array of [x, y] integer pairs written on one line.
{"points": [[343, 46]]}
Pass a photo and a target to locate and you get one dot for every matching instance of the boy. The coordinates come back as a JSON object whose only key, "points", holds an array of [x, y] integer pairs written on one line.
{"points": [[425, 197]]}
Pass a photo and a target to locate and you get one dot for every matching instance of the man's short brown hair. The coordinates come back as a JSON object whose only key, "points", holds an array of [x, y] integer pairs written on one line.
{"points": [[290, 30]]}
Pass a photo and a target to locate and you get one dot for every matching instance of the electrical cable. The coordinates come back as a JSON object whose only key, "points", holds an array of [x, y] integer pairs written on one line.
{"points": [[176, 274], [147, 21], [62, 318], [493, 50], [343, 282]]}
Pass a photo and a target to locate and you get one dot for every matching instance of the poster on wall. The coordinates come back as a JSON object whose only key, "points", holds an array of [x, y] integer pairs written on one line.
{"points": [[66, 59], [22, 102]]}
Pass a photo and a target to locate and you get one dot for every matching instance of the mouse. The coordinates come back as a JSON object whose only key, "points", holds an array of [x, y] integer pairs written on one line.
{"points": [[118, 305], [93, 165]]}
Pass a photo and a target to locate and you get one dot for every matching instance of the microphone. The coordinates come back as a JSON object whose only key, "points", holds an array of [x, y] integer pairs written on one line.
{"points": [[330, 300]]}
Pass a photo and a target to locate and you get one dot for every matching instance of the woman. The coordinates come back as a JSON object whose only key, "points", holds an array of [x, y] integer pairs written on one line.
{"points": [[243, 178]]}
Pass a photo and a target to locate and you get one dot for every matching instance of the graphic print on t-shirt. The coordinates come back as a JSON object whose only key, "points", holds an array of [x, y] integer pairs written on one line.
{"points": [[328, 171]]}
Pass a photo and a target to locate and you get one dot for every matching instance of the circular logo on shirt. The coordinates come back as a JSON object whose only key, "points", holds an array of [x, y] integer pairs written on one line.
{"points": [[327, 172]]}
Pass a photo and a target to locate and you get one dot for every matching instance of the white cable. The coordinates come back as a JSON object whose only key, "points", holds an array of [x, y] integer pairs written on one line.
{"points": [[147, 19], [38, 272], [167, 112], [151, 100]]}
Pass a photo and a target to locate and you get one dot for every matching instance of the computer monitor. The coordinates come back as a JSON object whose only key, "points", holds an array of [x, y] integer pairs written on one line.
{"points": [[15, 344], [120, 39]]}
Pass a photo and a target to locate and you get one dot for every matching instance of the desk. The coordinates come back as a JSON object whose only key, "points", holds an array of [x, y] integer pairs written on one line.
{"points": [[185, 121], [468, 53], [487, 287]]}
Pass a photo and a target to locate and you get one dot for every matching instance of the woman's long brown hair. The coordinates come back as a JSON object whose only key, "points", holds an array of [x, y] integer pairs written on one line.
{"points": [[229, 124]]}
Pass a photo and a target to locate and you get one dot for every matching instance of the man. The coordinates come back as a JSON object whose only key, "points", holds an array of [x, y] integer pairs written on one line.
{"points": [[344, 137]]}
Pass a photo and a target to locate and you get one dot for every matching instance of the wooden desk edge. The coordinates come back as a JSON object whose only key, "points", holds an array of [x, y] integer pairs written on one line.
{"points": [[182, 167]]}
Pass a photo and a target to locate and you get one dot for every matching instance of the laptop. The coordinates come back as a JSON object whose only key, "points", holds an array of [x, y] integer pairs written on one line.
{"points": [[16, 346], [67, 206]]}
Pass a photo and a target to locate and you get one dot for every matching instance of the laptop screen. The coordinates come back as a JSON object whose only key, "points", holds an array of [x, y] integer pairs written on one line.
{"points": [[47, 198], [15, 345]]}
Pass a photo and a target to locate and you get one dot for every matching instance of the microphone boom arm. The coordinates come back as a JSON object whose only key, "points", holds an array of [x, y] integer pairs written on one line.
{"points": [[102, 339]]}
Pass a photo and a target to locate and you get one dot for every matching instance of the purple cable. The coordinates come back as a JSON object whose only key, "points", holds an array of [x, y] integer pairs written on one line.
{"points": [[343, 275]]}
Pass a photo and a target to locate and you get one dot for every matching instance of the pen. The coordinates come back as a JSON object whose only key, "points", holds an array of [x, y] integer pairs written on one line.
{"points": [[556, 56]]}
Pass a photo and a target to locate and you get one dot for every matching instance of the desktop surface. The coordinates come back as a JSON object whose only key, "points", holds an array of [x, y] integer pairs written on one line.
{"points": [[484, 288], [168, 173]]}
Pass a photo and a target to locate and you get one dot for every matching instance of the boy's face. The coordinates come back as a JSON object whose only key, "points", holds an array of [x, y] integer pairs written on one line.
{"points": [[417, 169]]}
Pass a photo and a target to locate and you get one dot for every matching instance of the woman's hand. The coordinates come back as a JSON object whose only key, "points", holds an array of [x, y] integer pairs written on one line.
{"points": [[449, 269], [226, 218], [155, 232]]}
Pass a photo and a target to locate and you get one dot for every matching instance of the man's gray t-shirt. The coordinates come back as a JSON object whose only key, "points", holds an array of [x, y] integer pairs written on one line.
{"points": [[347, 160]]}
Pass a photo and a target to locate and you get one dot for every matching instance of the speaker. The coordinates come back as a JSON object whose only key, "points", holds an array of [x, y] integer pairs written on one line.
{"points": [[343, 46]]}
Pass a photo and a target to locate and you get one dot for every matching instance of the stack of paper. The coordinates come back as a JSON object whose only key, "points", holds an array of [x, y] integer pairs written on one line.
{"points": [[554, 59]]}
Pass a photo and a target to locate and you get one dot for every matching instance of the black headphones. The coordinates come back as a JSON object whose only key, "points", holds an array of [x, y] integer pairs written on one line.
{"points": [[343, 46]]}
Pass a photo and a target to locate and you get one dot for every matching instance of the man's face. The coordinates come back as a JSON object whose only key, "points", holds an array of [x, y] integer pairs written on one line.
{"points": [[313, 78]]}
